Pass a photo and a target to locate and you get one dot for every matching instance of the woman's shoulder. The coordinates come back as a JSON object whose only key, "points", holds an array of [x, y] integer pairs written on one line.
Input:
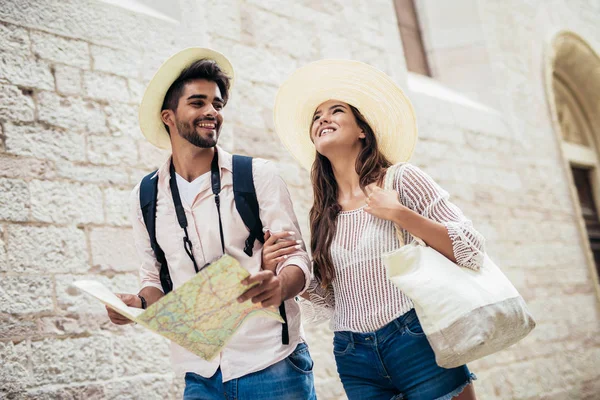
{"points": [[407, 174], [399, 169]]}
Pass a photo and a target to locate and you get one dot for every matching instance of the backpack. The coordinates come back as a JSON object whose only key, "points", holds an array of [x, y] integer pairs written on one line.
{"points": [[246, 203]]}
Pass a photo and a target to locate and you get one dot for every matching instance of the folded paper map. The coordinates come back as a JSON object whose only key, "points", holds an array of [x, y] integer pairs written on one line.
{"points": [[201, 315]]}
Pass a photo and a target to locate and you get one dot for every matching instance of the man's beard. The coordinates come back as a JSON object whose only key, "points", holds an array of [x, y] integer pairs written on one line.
{"points": [[188, 132]]}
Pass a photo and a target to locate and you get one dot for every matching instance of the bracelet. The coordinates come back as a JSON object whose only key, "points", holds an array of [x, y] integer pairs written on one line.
{"points": [[144, 304]]}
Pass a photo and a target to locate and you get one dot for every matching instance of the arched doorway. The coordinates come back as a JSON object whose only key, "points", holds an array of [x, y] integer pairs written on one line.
{"points": [[573, 86]]}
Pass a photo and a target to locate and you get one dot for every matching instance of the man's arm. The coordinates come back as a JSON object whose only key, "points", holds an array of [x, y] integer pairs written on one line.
{"points": [[277, 215], [149, 293], [149, 269]]}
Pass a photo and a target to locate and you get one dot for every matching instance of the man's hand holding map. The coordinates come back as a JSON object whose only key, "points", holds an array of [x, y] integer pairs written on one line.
{"points": [[201, 315]]}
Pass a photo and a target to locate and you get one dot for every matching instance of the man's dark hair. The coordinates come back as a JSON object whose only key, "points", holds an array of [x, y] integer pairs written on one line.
{"points": [[201, 69]]}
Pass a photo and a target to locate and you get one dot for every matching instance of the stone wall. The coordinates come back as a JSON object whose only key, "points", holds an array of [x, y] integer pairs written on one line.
{"points": [[71, 76]]}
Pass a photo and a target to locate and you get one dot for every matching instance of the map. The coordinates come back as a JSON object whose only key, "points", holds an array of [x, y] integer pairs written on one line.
{"points": [[201, 315]]}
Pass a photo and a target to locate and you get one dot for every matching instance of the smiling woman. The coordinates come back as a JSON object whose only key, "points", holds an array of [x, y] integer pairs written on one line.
{"points": [[360, 123]]}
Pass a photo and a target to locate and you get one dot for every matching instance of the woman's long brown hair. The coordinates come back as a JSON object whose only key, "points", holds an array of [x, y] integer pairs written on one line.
{"points": [[371, 165]]}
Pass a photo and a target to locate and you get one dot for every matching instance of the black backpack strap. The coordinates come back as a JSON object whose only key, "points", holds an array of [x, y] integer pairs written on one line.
{"points": [[148, 194], [246, 203]]}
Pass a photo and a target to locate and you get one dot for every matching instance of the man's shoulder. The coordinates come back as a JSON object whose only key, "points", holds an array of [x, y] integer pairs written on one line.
{"points": [[261, 163], [263, 169], [134, 197]]}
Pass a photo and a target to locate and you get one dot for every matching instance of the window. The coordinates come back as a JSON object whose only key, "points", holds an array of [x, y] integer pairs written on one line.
{"points": [[585, 193], [410, 32]]}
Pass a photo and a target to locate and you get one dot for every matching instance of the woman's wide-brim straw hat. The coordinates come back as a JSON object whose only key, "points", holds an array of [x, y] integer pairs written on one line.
{"points": [[383, 104], [149, 114]]}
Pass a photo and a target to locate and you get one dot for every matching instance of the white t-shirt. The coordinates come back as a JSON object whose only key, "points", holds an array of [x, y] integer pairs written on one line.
{"points": [[189, 190]]}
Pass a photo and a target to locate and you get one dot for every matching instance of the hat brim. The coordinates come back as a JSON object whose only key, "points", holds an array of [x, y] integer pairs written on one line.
{"points": [[150, 108], [383, 104]]}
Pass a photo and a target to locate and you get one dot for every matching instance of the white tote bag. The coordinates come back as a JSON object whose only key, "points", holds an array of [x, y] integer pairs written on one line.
{"points": [[465, 314]]}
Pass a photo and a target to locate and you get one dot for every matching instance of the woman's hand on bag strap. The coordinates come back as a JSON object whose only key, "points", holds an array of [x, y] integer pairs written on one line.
{"points": [[382, 203]]}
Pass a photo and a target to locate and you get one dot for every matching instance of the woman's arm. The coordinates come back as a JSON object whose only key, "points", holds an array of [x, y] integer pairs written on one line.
{"points": [[422, 207], [320, 303]]}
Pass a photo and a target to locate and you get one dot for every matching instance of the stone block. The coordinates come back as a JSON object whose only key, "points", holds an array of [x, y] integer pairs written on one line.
{"points": [[136, 90], [281, 33], [264, 66], [14, 105], [503, 179], [16, 327], [243, 108], [123, 120], [79, 324], [439, 132], [226, 14], [26, 71], [105, 87], [92, 173], [47, 250], [72, 113], [132, 357], [117, 206], [306, 11], [14, 200], [44, 143], [118, 62], [25, 168], [59, 49], [152, 60], [14, 39], [91, 391], [66, 203], [26, 295], [370, 54], [335, 46], [15, 373], [3, 258], [113, 250], [111, 150], [68, 80], [71, 361], [150, 387], [446, 26]]}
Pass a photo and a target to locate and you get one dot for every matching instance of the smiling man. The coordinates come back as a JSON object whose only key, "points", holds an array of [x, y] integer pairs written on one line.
{"points": [[194, 199]]}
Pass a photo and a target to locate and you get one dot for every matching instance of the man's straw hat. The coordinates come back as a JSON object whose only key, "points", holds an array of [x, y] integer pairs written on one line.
{"points": [[149, 114]]}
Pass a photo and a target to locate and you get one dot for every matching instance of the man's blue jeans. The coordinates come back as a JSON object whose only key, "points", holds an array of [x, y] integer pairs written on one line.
{"points": [[289, 379]]}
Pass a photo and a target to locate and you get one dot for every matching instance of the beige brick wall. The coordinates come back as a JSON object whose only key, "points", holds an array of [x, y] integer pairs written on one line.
{"points": [[71, 76]]}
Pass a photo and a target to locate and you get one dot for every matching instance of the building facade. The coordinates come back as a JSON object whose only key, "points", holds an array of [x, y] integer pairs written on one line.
{"points": [[507, 98]]}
